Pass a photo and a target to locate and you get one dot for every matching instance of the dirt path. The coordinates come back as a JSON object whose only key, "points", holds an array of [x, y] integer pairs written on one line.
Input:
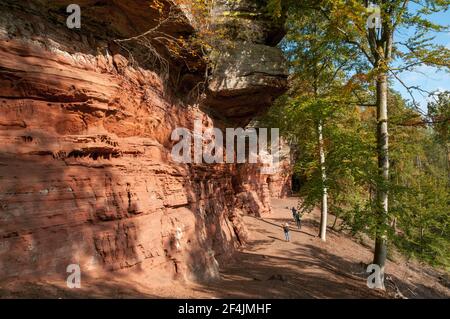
{"points": [[270, 267], [302, 268], [306, 267]]}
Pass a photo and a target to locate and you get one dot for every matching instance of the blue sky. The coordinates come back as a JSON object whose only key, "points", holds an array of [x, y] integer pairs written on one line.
{"points": [[426, 77]]}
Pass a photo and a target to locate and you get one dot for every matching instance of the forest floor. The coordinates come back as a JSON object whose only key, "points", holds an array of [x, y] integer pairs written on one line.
{"points": [[270, 267]]}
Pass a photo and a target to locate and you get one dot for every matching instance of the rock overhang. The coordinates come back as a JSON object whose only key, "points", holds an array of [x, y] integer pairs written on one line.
{"points": [[248, 71]]}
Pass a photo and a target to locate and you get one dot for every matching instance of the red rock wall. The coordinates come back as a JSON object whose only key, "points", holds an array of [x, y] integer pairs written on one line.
{"points": [[86, 175]]}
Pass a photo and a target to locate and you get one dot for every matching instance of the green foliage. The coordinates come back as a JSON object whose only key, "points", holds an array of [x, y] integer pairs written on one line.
{"points": [[420, 195], [334, 62], [419, 216], [439, 113]]}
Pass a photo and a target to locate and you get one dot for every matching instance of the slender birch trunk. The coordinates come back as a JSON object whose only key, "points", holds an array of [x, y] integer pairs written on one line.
{"points": [[324, 207], [383, 169]]}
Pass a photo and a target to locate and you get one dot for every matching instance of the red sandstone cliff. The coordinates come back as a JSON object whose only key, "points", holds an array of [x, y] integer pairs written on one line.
{"points": [[86, 175]]}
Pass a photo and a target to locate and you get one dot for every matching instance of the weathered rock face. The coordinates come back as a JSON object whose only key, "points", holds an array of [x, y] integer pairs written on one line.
{"points": [[86, 174], [246, 80], [248, 73]]}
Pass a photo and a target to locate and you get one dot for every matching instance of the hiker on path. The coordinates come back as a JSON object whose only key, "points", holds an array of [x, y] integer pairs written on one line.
{"points": [[286, 231], [298, 220], [294, 212]]}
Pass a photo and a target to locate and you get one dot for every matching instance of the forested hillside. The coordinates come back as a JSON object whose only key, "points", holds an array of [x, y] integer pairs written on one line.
{"points": [[363, 152]]}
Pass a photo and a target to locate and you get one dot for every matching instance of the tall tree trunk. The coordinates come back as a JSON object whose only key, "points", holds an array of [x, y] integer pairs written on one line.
{"points": [[383, 169], [324, 207]]}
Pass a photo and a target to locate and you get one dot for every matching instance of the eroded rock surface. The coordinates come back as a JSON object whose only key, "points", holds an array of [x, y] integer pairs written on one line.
{"points": [[86, 175], [248, 72]]}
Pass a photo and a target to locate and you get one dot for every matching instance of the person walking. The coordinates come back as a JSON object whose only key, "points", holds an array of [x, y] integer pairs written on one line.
{"points": [[298, 220], [286, 231], [294, 212]]}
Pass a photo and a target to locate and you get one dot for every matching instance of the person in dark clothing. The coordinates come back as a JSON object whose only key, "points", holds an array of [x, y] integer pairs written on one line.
{"points": [[294, 212], [298, 220]]}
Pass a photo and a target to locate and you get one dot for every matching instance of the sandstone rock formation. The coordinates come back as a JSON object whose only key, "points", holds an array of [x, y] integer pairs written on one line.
{"points": [[86, 175], [248, 74]]}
